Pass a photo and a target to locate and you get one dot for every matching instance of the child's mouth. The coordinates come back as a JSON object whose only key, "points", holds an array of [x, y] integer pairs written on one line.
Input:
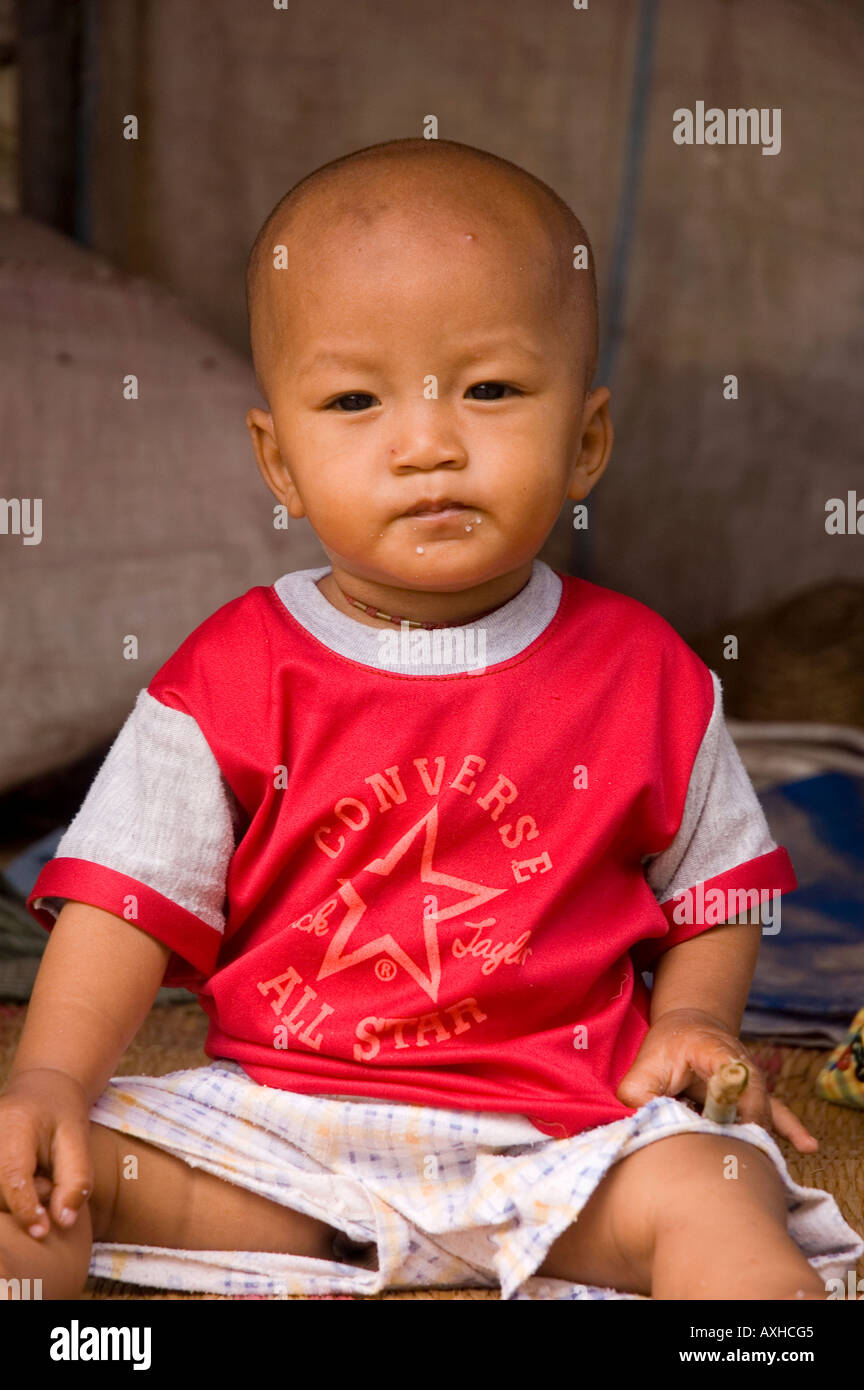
{"points": [[448, 514], [445, 510]]}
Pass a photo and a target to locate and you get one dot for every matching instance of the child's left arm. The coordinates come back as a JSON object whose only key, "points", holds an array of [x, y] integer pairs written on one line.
{"points": [[700, 992]]}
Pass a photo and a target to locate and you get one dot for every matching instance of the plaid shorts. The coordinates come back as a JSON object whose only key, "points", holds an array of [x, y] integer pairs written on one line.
{"points": [[450, 1198]]}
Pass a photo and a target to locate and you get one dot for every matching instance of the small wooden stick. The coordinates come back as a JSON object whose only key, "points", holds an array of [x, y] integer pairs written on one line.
{"points": [[724, 1089]]}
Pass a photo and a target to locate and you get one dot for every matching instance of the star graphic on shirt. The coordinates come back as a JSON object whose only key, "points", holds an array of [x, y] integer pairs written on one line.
{"points": [[426, 972]]}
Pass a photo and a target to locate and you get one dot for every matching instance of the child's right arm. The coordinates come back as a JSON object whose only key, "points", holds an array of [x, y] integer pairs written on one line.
{"points": [[97, 981]]}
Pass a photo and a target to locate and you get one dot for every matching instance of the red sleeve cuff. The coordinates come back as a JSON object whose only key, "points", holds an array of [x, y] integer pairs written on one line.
{"points": [[194, 944], [713, 902]]}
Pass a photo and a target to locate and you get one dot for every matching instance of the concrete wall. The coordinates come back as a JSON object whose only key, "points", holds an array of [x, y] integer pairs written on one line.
{"points": [[736, 262]]}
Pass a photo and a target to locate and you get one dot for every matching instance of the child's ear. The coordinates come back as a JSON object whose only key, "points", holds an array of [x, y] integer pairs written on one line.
{"points": [[271, 465], [596, 444]]}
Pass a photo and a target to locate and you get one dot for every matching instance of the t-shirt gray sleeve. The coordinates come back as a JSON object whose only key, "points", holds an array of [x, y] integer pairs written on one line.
{"points": [[723, 825], [160, 815]]}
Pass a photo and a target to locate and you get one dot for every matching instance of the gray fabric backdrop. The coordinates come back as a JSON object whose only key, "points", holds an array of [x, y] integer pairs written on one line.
{"points": [[738, 262], [725, 261]]}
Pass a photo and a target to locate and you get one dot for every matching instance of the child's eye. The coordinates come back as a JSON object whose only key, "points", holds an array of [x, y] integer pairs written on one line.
{"points": [[490, 391], [353, 401]]}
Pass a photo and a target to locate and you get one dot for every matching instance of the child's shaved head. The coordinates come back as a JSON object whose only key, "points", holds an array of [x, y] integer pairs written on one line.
{"points": [[433, 182], [425, 337]]}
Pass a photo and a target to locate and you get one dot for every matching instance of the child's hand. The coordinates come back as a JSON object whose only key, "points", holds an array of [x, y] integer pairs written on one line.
{"points": [[678, 1056], [44, 1123]]}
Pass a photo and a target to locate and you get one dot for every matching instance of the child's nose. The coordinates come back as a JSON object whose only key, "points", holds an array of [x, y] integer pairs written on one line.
{"points": [[425, 438]]}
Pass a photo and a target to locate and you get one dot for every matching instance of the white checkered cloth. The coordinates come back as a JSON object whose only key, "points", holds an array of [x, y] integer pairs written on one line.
{"points": [[451, 1198]]}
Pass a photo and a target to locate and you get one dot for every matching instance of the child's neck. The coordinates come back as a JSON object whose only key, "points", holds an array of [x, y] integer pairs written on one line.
{"points": [[467, 612]]}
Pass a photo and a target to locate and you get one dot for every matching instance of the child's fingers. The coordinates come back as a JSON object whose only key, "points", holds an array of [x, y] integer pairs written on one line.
{"points": [[697, 1090], [669, 1065], [789, 1125], [17, 1169], [752, 1106], [650, 1076], [708, 1055], [73, 1172], [756, 1106], [753, 1103]]}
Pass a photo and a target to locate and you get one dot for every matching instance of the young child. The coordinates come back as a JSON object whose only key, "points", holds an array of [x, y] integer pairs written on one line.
{"points": [[416, 891]]}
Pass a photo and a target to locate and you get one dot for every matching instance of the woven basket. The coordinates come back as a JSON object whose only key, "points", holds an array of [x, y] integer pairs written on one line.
{"points": [[800, 660]]}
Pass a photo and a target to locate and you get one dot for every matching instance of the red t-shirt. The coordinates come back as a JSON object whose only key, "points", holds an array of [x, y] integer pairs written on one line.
{"points": [[435, 887]]}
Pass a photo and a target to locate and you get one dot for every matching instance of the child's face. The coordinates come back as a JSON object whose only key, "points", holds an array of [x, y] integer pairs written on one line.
{"points": [[424, 357]]}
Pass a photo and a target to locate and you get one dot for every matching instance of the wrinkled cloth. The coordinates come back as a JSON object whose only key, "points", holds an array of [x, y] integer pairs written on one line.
{"points": [[450, 1198]]}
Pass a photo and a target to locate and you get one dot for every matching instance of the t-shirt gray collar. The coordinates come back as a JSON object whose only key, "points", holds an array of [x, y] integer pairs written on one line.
{"points": [[468, 647]]}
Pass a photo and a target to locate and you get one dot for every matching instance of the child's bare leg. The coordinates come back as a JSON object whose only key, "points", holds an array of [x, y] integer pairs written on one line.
{"points": [[668, 1222], [168, 1203], [726, 1237]]}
